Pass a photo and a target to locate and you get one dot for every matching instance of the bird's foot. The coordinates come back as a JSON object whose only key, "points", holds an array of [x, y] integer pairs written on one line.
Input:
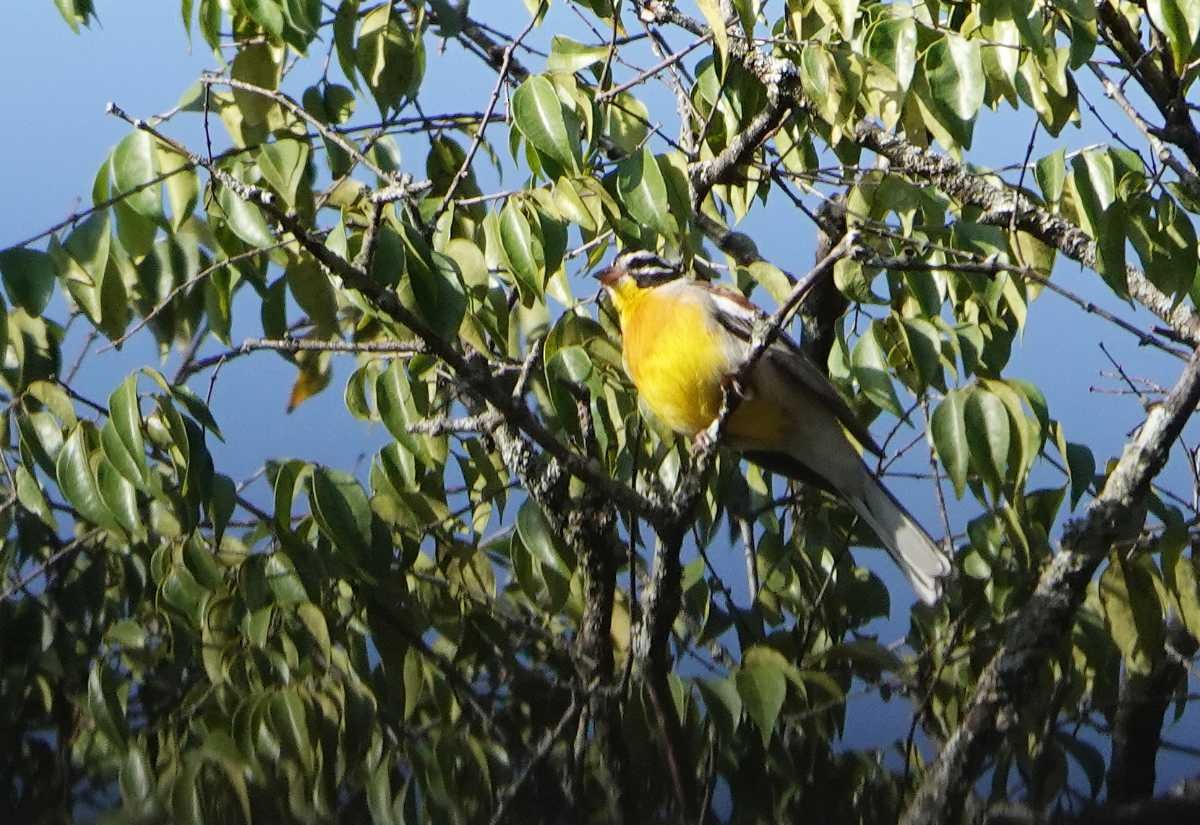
{"points": [[706, 439], [734, 388]]}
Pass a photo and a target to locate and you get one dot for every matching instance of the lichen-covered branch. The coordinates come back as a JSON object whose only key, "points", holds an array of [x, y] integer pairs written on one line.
{"points": [[999, 204], [1042, 624]]}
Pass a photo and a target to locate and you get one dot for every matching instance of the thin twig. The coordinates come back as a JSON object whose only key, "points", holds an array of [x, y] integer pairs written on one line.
{"points": [[666, 63], [501, 78], [543, 750]]}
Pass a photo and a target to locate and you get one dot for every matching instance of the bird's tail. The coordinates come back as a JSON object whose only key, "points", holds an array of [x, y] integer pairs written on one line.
{"points": [[921, 559]]}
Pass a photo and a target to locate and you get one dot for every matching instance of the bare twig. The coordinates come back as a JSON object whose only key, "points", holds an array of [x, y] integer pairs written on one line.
{"points": [[185, 286], [501, 78], [330, 134], [510, 791], [666, 63]]}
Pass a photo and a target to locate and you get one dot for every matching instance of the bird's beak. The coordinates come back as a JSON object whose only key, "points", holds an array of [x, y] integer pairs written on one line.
{"points": [[607, 276]]}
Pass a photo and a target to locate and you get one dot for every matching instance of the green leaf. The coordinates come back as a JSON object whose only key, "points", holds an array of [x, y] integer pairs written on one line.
{"points": [[870, 367], [893, 42], [523, 250], [185, 14], [210, 22], [104, 706], [31, 497], [127, 633], [711, 9], [763, 688], [1162, 233], [389, 56], [343, 38], [186, 807], [191, 402], [220, 505], [954, 69], [1082, 465], [338, 102], [814, 79], [314, 292], [266, 13], [1101, 215], [379, 794], [723, 703], [77, 480], [136, 232], [285, 585], [1179, 20], [394, 399], [539, 539], [137, 777], [949, 431], [89, 244], [75, 12], [341, 509], [134, 165], [287, 477], [314, 622], [220, 748], [244, 219], [218, 302], [76, 280], [1132, 612], [567, 55], [29, 278], [538, 115], [1186, 578], [1051, 174], [642, 188], [441, 300], [1094, 176], [283, 164], [119, 497], [195, 407], [988, 435], [182, 184], [1026, 436], [625, 121], [258, 65], [291, 720], [570, 204], [925, 346]]}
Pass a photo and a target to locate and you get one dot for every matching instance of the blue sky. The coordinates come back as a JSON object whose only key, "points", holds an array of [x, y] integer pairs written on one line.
{"points": [[57, 134]]}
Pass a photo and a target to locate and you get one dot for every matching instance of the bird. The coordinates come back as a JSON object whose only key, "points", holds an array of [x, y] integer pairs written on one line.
{"points": [[683, 341]]}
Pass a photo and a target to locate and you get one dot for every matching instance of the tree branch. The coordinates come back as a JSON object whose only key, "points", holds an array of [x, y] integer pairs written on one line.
{"points": [[997, 201], [1137, 724], [1047, 618], [473, 370]]}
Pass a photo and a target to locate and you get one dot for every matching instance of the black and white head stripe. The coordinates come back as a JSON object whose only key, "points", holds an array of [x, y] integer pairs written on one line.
{"points": [[646, 267]]}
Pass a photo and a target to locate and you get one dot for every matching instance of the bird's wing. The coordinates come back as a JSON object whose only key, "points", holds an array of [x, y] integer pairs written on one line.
{"points": [[738, 315]]}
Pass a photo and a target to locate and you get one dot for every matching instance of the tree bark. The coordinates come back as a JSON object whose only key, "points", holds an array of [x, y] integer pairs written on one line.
{"points": [[1047, 618]]}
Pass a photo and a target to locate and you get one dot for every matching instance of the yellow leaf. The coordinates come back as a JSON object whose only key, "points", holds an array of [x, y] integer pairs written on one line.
{"points": [[313, 377]]}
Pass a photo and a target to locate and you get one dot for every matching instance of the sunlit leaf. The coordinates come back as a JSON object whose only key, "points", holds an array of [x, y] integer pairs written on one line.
{"points": [[538, 114]]}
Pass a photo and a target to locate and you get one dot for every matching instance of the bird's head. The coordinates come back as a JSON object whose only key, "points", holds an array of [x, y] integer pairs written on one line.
{"points": [[634, 272]]}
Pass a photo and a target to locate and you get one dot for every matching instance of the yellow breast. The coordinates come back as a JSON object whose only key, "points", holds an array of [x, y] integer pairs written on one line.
{"points": [[675, 356]]}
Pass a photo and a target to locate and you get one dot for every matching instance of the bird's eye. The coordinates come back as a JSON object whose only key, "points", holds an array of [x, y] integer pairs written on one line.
{"points": [[647, 278]]}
